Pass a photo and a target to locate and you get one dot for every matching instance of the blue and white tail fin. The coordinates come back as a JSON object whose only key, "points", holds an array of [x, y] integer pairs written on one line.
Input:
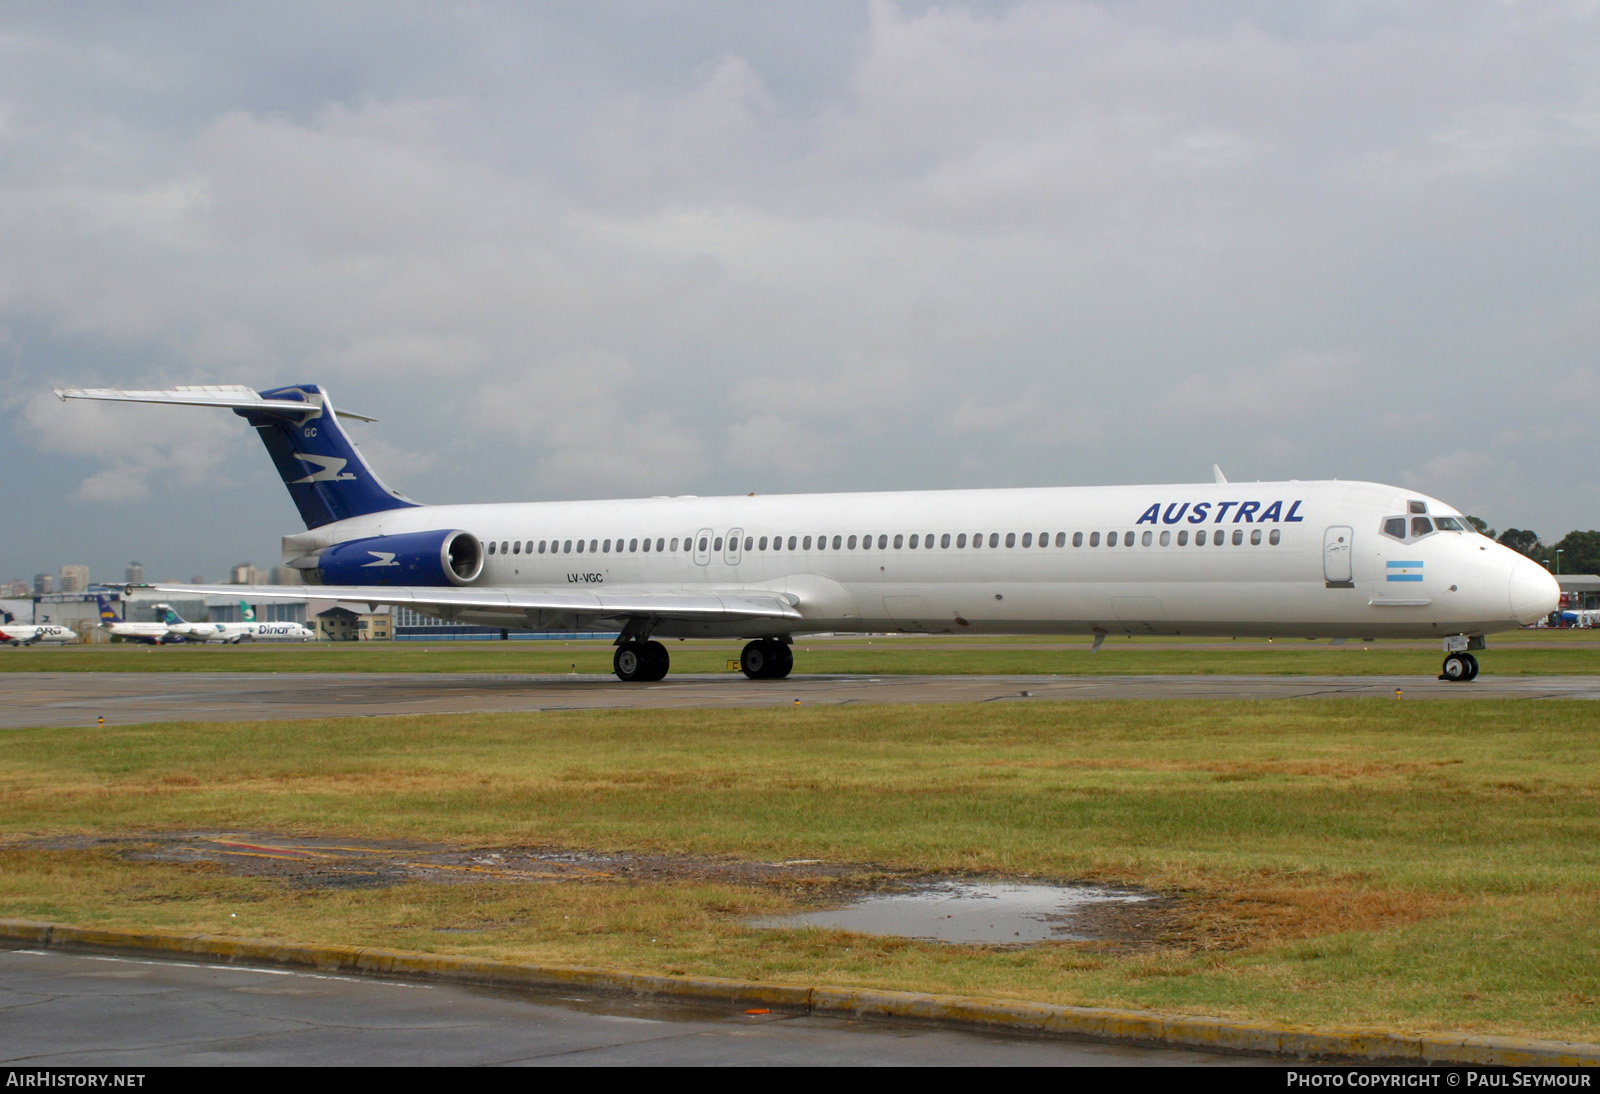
{"points": [[325, 474], [170, 617], [108, 614]]}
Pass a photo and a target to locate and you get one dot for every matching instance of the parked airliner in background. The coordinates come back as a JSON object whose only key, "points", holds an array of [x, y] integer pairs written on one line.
{"points": [[152, 633], [254, 630], [1306, 559], [13, 633], [181, 628]]}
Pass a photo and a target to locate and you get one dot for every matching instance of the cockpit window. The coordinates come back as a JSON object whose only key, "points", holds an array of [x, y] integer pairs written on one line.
{"points": [[1417, 507], [1448, 524], [1421, 526], [1396, 527]]}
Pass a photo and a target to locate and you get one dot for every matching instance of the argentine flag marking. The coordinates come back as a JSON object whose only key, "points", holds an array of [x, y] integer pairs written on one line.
{"points": [[1404, 571]]}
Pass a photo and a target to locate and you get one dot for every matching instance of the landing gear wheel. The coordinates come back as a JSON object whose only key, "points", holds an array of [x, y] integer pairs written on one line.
{"points": [[656, 661], [1459, 667], [766, 659], [640, 662], [1472, 666], [629, 662]]}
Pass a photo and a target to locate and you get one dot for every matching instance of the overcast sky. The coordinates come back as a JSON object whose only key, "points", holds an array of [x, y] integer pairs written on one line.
{"points": [[597, 249]]}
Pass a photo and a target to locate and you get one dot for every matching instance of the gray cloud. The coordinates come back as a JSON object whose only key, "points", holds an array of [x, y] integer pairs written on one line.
{"points": [[622, 249]]}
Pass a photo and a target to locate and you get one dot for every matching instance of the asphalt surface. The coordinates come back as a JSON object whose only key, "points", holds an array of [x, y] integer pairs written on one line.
{"points": [[82, 698], [74, 1010]]}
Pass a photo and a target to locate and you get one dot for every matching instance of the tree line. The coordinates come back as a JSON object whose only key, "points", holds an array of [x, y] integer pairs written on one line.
{"points": [[1579, 551]]}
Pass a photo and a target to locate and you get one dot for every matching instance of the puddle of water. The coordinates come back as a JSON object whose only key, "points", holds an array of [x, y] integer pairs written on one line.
{"points": [[994, 913]]}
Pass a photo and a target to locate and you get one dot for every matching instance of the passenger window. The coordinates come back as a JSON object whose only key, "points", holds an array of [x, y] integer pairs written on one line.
{"points": [[580, 546], [898, 540], [883, 541], [1166, 539], [836, 542], [944, 540], [1183, 539], [1274, 537], [1061, 539], [516, 548], [1127, 539], [1146, 538], [1255, 537], [994, 539], [791, 542], [607, 547], [541, 546], [1200, 538], [763, 546], [807, 545], [1111, 539], [1094, 539], [1077, 539], [704, 544], [646, 546], [633, 545], [591, 546], [977, 539], [750, 542], [1421, 526], [1238, 536], [851, 543], [1027, 539]]}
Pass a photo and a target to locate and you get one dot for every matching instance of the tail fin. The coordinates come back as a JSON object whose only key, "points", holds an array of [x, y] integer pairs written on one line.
{"points": [[246, 612], [108, 614], [170, 617], [325, 474]]}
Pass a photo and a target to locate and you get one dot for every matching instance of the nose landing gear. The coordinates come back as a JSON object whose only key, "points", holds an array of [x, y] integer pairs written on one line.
{"points": [[1459, 665]]}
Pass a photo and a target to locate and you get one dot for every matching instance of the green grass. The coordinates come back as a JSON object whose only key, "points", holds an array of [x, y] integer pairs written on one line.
{"points": [[1517, 653], [1362, 862]]}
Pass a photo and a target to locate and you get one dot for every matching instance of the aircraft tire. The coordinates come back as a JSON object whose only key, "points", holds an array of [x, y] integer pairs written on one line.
{"points": [[657, 661], [1472, 667], [766, 659], [1457, 668], [629, 662]]}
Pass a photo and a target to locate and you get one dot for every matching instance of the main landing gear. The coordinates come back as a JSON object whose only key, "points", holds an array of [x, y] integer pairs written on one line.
{"points": [[1459, 665], [644, 662], [766, 659]]}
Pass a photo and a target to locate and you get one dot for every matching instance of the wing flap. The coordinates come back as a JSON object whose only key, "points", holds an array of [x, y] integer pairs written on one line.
{"points": [[618, 603]]}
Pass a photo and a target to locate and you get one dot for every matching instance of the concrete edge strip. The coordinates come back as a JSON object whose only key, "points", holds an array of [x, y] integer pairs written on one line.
{"points": [[954, 1011]]}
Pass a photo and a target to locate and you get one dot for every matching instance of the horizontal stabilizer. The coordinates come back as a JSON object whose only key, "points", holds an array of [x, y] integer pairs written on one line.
{"points": [[232, 396]]}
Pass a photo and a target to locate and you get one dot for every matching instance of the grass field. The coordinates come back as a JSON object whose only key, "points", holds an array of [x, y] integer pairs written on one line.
{"points": [[1534, 653], [1354, 862]]}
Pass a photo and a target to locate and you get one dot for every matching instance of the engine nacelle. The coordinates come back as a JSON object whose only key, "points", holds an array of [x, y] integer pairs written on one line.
{"points": [[412, 558]]}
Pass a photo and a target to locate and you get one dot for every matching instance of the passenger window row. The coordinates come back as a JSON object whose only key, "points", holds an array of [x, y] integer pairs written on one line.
{"points": [[882, 542]]}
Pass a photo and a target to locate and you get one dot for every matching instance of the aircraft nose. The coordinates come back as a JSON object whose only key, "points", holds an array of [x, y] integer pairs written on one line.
{"points": [[1534, 593]]}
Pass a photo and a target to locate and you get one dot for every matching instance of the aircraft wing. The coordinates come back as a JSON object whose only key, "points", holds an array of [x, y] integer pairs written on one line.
{"points": [[516, 601]]}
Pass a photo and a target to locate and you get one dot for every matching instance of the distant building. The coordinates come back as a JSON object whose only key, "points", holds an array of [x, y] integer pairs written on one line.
{"points": [[343, 625], [74, 579], [246, 574], [43, 584], [134, 574]]}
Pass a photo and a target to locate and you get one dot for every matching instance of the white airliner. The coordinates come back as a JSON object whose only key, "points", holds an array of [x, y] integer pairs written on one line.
{"points": [[13, 633], [181, 628], [1305, 559], [253, 630], [155, 634]]}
